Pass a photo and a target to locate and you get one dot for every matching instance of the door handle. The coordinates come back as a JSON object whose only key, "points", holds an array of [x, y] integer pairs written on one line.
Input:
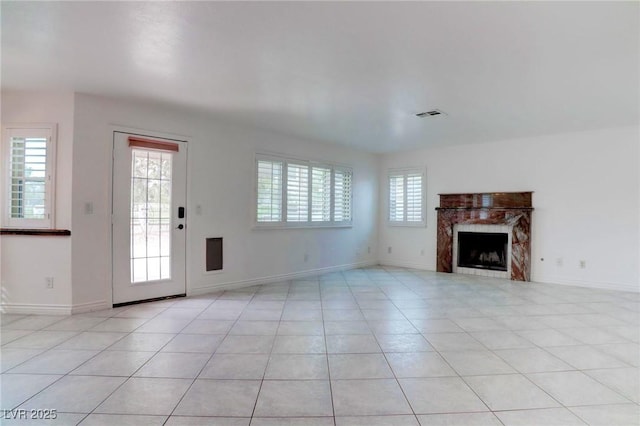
{"points": [[181, 226]]}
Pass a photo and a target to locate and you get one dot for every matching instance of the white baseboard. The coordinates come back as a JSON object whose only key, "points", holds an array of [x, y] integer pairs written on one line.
{"points": [[591, 284], [98, 305], [41, 309], [546, 280], [35, 309], [403, 264], [275, 278]]}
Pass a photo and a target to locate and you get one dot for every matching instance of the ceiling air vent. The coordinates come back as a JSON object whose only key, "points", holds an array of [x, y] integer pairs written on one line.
{"points": [[432, 113]]}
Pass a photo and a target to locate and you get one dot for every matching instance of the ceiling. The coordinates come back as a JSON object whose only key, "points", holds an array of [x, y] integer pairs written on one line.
{"points": [[351, 73]]}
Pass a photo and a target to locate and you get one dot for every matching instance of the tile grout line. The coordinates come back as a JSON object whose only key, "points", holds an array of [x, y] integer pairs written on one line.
{"points": [[389, 364], [415, 416], [273, 342], [167, 343], [326, 353]]}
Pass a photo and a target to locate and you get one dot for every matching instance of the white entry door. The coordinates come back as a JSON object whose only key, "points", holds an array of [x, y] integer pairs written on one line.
{"points": [[149, 217]]}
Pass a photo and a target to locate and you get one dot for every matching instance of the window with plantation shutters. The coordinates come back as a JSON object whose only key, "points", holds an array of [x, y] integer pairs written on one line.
{"points": [[414, 197], [406, 197], [396, 198], [342, 205], [29, 179], [298, 193], [269, 188], [320, 194]]}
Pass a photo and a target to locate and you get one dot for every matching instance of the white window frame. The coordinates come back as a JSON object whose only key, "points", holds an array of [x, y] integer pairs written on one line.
{"points": [[405, 172], [24, 130], [283, 223]]}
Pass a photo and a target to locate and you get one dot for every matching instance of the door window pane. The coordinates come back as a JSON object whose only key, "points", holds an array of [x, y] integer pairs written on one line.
{"points": [[150, 215]]}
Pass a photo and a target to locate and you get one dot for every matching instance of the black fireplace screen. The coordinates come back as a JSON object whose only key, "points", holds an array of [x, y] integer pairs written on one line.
{"points": [[483, 250]]}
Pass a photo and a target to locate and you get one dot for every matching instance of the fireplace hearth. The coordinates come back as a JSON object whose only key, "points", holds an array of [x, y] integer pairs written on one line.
{"points": [[511, 210]]}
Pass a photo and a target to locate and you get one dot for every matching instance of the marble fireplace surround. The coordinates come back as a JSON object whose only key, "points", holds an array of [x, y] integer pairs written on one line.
{"points": [[489, 208]]}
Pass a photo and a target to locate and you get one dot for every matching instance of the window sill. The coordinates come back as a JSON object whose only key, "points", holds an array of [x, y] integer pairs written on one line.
{"points": [[304, 225], [36, 232], [407, 224]]}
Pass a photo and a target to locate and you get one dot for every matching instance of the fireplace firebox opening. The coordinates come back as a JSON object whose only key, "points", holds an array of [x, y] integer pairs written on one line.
{"points": [[483, 250]]}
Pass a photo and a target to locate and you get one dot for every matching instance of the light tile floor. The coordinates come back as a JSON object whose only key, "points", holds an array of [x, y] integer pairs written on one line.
{"points": [[377, 346]]}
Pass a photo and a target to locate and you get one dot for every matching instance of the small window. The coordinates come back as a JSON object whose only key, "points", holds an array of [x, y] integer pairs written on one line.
{"points": [[406, 197], [297, 193], [29, 157]]}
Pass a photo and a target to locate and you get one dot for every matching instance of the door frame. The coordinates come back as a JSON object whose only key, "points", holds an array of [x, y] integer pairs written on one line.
{"points": [[152, 134]]}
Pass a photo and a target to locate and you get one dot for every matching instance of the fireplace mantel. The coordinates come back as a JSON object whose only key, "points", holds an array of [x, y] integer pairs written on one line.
{"points": [[490, 208]]}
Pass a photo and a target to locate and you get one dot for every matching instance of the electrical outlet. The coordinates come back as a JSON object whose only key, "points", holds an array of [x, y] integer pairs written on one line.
{"points": [[559, 261], [49, 281], [583, 264], [422, 252], [389, 250], [368, 249], [199, 210], [306, 257], [88, 207]]}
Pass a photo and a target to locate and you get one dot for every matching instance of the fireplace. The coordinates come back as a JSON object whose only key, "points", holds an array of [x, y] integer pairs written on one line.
{"points": [[480, 217], [483, 250]]}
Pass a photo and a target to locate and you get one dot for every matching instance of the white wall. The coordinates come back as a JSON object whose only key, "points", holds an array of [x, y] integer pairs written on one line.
{"points": [[221, 167], [586, 200], [27, 260]]}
